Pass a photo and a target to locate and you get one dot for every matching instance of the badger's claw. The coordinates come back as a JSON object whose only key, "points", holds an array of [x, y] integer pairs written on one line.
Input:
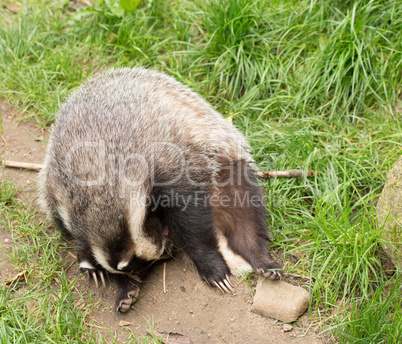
{"points": [[273, 271], [102, 278], [95, 279], [224, 286], [93, 273], [228, 283], [218, 286]]}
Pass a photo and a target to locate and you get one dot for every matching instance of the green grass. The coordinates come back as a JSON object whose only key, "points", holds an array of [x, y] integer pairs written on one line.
{"points": [[43, 308], [363, 321], [313, 84]]}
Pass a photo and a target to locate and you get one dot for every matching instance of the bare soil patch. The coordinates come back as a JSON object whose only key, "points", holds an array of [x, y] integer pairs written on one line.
{"points": [[189, 306]]}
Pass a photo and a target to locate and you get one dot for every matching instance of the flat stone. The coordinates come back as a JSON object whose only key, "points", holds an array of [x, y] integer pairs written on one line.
{"points": [[389, 214], [287, 327], [280, 300]]}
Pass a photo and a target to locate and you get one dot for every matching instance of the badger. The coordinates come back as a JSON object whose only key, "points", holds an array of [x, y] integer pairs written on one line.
{"points": [[138, 164]]}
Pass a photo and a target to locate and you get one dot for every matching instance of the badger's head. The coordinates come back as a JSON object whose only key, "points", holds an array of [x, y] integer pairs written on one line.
{"points": [[129, 243]]}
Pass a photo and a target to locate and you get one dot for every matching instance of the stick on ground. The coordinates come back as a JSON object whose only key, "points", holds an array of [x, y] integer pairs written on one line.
{"points": [[164, 278], [263, 174], [286, 174], [27, 165]]}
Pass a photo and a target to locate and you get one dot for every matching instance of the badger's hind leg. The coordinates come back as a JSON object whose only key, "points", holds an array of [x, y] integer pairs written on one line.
{"points": [[239, 215]]}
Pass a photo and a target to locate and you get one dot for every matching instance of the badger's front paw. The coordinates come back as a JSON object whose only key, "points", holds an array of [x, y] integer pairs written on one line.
{"points": [[214, 270], [93, 273], [272, 271], [126, 299]]}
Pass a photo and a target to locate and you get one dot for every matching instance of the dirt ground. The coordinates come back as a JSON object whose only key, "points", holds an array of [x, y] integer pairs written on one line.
{"points": [[188, 307]]}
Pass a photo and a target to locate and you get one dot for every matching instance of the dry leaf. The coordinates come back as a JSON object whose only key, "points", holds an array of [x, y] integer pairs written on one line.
{"points": [[170, 337], [14, 8], [18, 278], [124, 323]]}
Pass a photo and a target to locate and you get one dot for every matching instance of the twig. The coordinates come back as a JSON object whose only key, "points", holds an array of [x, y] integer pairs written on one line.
{"points": [[100, 327], [27, 165], [164, 278], [286, 174], [263, 174]]}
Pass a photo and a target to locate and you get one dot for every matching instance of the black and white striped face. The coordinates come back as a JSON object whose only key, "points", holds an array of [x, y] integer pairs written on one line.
{"points": [[131, 250]]}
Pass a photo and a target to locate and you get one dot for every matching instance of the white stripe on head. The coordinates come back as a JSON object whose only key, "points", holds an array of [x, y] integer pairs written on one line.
{"points": [[145, 247]]}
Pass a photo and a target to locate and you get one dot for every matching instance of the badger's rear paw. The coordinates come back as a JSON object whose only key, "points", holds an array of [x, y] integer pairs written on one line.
{"points": [[93, 273], [272, 271], [223, 284], [126, 299]]}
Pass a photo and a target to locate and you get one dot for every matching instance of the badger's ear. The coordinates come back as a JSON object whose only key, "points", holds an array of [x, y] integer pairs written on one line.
{"points": [[125, 258]]}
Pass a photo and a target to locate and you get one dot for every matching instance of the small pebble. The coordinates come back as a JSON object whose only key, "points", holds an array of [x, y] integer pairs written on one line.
{"points": [[287, 328]]}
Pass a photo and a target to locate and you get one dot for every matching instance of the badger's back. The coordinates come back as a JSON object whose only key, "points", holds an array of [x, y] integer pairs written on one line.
{"points": [[133, 107]]}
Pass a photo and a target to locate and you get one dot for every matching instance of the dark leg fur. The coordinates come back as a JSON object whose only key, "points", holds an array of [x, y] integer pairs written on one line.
{"points": [[242, 220], [191, 226]]}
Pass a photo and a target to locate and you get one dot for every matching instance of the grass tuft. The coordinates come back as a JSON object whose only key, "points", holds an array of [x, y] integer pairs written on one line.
{"points": [[375, 319]]}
